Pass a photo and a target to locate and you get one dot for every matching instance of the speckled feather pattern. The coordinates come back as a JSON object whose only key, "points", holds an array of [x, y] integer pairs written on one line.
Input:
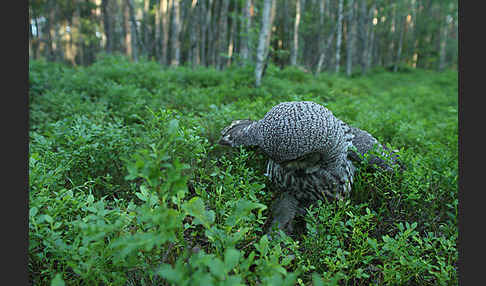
{"points": [[293, 129], [309, 153]]}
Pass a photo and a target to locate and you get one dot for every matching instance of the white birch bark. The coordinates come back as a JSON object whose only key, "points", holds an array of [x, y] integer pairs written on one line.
{"points": [[350, 39], [262, 49], [245, 34], [164, 15], [223, 46], [175, 41], [443, 43], [133, 27], [400, 43], [339, 34], [295, 44]]}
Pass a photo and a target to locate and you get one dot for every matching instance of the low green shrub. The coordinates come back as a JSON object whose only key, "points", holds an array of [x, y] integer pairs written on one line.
{"points": [[128, 186]]}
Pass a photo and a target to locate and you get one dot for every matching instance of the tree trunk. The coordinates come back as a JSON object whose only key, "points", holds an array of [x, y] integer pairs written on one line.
{"points": [[413, 45], [391, 35], [245, 35], [233, 34], [147, 41], [107, 26], [175, 41], [223, 35], [403, 27], [350, 39], [324, 52], [128, 30], [197, 31], [272, 18], [164, 15], [320, 36], [295, 44], [49, 31], [443, 43], [77, 40], [339, 35], [320, 61], [203, 36], [371, 50], [134, 39], [193, 43], [371, 40], [216, 34], [262, 49], [158, 23], [364, 22], [31, 33], [115, 14], [210, 33], [303, 38], [36, 40]]}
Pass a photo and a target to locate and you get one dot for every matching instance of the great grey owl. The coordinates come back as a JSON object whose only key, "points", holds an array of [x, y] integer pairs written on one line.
{"points": [[311, 154]]}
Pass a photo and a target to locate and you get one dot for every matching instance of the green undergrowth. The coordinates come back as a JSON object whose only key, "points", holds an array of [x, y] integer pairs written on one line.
{"points": [[128, 186]]}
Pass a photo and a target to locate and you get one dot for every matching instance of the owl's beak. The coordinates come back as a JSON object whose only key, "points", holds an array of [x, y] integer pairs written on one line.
{"points": [[224, 141]]}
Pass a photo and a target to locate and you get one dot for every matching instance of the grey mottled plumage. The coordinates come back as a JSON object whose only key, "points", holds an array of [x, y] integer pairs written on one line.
{"points": [[310, 153]]}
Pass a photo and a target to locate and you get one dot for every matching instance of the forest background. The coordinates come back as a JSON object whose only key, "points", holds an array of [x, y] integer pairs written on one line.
{"points": [[317, 35]]}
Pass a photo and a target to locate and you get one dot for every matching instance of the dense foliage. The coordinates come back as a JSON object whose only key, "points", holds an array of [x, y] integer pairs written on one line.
{"points": [[128, 185]]}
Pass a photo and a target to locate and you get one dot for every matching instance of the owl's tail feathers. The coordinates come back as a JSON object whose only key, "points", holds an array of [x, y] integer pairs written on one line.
{"points": [[378, 155]]}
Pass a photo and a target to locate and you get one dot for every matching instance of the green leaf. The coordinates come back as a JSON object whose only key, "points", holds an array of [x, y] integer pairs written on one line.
{"points": [[372, 242], [33, 211], [48, 218], [242, 211], [290, 279], [171, 274], [233, 280], [317, 280], [173, 127], [90, 199], [217, 268], [58, 281], [231, 258], [195, 207], [262, 245]]}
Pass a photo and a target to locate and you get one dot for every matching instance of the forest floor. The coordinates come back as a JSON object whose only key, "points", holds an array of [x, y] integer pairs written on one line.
{"points": [[128, 186]]}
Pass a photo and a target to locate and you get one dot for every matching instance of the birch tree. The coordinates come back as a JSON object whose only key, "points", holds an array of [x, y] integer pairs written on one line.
{"points": [[262, 49], [164, 16], [295, 44], [107, 26], [203, 25], [223, 25], [209, 33], [233, 38], [133, 30], [444, 27], [339, 34], [176, 28], [214, 32], [364, 21], [157, 36], [147, 41], [193, 56], [371, 41], [245, 34], [128, 30], [403, 28], [350, 39]]}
